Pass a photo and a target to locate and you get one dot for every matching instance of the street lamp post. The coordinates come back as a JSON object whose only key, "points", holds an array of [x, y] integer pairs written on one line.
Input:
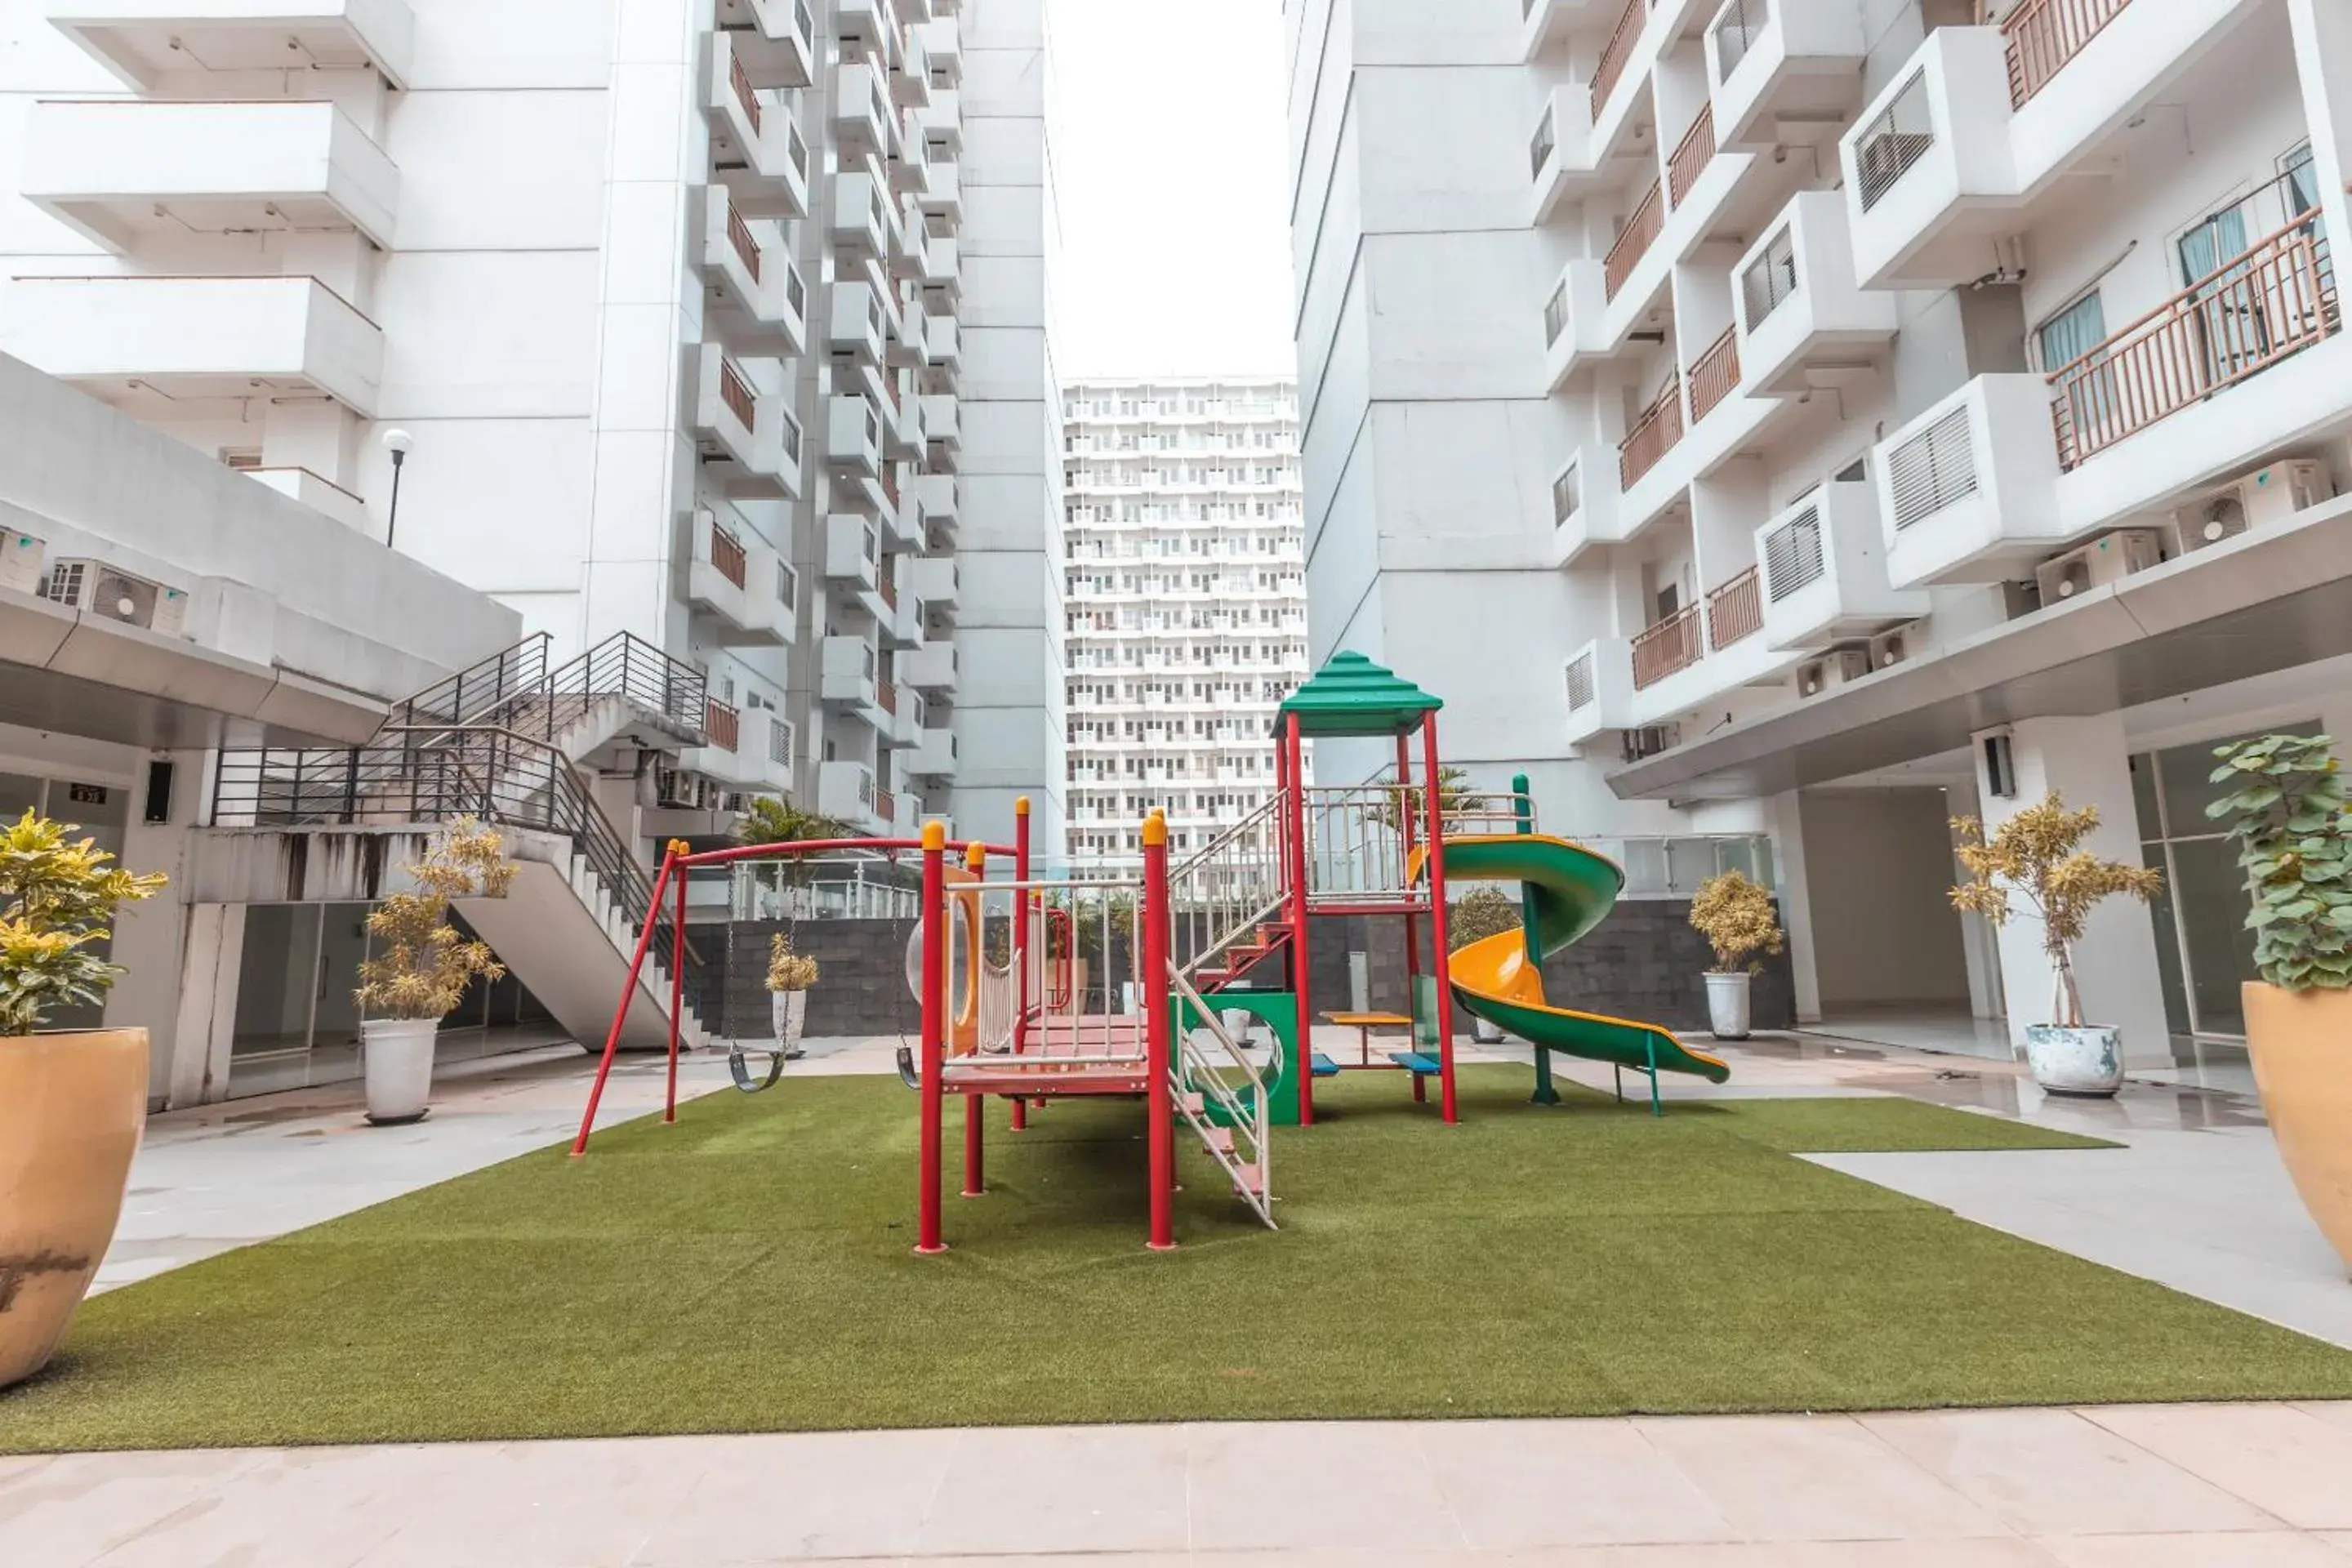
{"points": [[398, 443]]}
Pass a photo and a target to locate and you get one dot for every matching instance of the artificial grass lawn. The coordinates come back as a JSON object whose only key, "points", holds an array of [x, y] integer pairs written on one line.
{"points": [[750, 1269]]}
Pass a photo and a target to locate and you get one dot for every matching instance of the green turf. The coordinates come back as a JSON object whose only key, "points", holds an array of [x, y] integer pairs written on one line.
{"points": [[750, 1268]]}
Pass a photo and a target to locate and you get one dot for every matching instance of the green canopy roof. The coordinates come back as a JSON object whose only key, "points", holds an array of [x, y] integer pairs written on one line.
{"points": [[1351, 695]]}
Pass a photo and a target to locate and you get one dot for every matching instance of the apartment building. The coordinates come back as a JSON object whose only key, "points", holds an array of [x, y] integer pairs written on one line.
{"points": [[717, 323], [1186, 601], [1845, 415]]}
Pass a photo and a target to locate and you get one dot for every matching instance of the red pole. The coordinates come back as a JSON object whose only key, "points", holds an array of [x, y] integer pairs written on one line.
{"points": [[1025, 903], [1156, 1027], [935, 1018], [1437, 955], [1404, 810], [621, 1013], [975, 860], [677, 982], [1293, 759]]}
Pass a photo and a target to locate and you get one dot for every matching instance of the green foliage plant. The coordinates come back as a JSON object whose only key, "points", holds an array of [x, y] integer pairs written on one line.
{"points": [[57, 899], [1735, 914], [1479, 914], [2289, 817], [420, 966]]}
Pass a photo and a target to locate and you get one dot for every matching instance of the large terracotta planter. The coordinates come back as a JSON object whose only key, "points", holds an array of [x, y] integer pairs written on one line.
{"points": [[71, 1106], [2302, 1044]]}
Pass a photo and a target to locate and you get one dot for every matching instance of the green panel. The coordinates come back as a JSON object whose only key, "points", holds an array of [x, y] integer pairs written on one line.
{"points": [[1279, 1010]]}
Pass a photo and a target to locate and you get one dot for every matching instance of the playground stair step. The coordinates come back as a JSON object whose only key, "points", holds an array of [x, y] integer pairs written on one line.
{"points": [[1248, 1179], [1219, 1139], [1196, 1102]]}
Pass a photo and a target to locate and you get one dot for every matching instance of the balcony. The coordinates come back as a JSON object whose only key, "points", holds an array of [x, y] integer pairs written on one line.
{"points": [[1600, 689], [748, 440], [756, 146], [1971, 136], [909, 241], [128, 174], [1784, 72], [902, 622], [857, 331], [936, 494], [146, 343], [853, 563], [864, 121], [941, 124], [1715, 376], [1668, 647], [907, 348], [902, 421], [1584, 511], [1616, 55], [853, 435], [933, 754], [319, 494], [766, 749], [1735, 610], [942, 267], [759, 303], [722, 755], [845, 791], [1824, 570], [1805, 323], [942, 195], [1966, 491], [718, 572], [1657, 431], [907, 711], [849, 679], [1562, 157], [911, 73], [901, 512], [931, 668], [862, 220], [770, 603], [141, 41], [934, 581], [1641, 230], [943, 45], [775, 40], [943, 423]]}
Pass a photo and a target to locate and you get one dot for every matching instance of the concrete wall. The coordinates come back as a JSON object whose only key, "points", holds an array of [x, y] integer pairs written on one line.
{"points": [[1878, 863]]}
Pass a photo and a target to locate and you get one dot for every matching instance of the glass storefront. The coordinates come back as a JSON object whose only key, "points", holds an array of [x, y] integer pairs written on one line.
{"points": [[2203, 947]]}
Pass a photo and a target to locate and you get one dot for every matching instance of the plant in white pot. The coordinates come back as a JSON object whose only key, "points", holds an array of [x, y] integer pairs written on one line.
{"points": [[419, 967], [2035, 864], [71, 1100], [1477, 915], [2288, 812], [789, 976], [1735, 914]]}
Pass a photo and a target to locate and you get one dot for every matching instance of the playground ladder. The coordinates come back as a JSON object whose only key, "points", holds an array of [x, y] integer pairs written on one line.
{"points": [[1229, 888], [1197, 1074]]}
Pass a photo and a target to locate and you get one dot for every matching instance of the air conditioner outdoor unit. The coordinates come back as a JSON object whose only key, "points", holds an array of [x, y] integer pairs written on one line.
{"points": [[1889, 648], [2108, 559], [2255, 500], [95, 588], [1835, 667], [20, 562]]}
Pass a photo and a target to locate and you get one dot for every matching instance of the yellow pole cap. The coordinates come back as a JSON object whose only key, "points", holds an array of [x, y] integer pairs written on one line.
{"points": [[680, 847], [1020, 806], [1155, 830], [975, 856], [935, 835]]}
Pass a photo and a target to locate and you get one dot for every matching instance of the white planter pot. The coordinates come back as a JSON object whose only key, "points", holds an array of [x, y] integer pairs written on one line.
{"points": [[1727, 1004], [2085, 1061], [1486, 1032], [788, 1010], [397, 1054]]}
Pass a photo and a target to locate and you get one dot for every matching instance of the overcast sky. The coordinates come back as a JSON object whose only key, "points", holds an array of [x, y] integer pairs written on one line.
{"points": [[1168, 164]]}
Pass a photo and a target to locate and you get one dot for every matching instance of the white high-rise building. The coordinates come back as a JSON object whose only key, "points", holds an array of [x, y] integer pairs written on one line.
{"points": [[1186, 601], [717, 323], [1826, 418]]}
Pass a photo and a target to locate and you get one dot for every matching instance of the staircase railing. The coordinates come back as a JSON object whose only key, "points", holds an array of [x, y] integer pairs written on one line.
{"points": [[1239, 1138], [1227, 889], [480, 688], [517, 689]]}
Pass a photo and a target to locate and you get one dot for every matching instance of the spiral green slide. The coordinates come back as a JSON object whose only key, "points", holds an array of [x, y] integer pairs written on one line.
{"points": [[1567, 890]]}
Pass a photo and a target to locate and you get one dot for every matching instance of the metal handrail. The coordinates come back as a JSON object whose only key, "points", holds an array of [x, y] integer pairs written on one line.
{"points": [[1245, 1118]]}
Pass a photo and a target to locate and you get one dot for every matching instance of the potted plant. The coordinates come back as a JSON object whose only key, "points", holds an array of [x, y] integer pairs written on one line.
{"points": [[419, 967], [789, 976], [71, 1102], [1735, 914], [2288, 815], [1477, 915], [2035, 864]]}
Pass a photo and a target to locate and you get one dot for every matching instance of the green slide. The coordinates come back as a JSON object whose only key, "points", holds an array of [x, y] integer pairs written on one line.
{"points": [[1568, 891]]}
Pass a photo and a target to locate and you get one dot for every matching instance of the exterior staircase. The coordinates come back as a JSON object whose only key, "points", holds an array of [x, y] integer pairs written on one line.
{"points": [[504, 742]]}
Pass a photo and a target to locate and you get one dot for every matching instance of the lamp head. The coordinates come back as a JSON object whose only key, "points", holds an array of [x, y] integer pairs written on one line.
{"points": [[399, 442]]}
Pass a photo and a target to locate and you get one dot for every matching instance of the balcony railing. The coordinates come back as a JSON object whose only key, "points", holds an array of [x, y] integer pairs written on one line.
{"points": [[746, 250], [1654, 434], [736, 393], [885, 697], [1716, 376], [1672, 644], [886, 806], [1641, 230], [1897, 139], [885, 583], [1546, 141], [1734, 611], [1616, 52], [1737, 27], [2043, 35], [1691, 156], [728, 554], [741, 81], [1565, 494], [723, 725], [1555, 315], [2238, 322], [1770, 278]]}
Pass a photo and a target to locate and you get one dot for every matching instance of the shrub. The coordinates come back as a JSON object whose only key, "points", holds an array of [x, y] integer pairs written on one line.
{"points": [[420, 966], [2037, 857], [1482, 914], [2289, 817], [787, 969], [57, 899], [1734, 915]]}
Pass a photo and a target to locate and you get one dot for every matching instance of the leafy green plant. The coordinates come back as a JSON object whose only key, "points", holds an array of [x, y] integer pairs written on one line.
{"points": [[770, 819], [1479, 914], [57, 899], [1453, 789], [420, 966], [2289, 816], [2035, 864], [1735, 914]]}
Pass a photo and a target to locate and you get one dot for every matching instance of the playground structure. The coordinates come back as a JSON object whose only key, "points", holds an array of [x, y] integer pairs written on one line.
{"points": [[1157, 984]]}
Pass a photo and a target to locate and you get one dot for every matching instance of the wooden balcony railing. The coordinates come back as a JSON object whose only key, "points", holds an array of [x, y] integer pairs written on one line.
{"points": [[741, 81], [1672, 644], [736, 393], [1614, 53], [2275, 299], [2043, 35], [885, 697], [746, 250], [886, 806], [890, 485], [885, 583], [1716, 376], [727, 553], [1654, 434], [722, 724], [1734, 611], [1691, 156], [1633, 243]]}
